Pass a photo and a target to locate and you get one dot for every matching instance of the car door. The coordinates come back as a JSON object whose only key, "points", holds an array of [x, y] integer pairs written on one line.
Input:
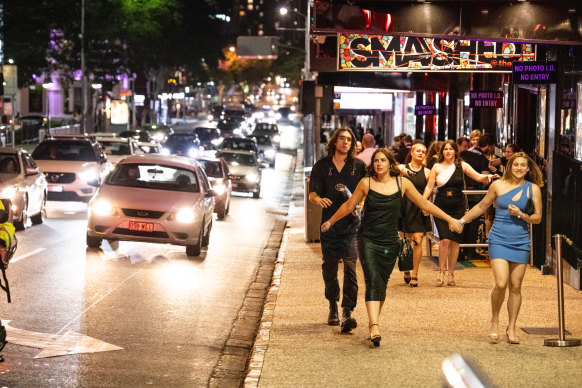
{"points": [[208, 200], [35, 183]]}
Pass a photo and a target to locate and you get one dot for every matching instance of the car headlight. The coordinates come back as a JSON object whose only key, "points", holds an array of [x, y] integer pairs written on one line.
{"points": [[159, 137], [270, 153], [219, 188], [89, 175], [210, 117], [216, 142], [165, 151], [253, 178], [102, 208], [193, 152], [277, 138], [185, 215], [8, 192]]}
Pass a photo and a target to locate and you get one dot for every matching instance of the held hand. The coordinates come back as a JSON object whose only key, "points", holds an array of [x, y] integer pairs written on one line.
{"points": [[456, 226], [325, 226]]}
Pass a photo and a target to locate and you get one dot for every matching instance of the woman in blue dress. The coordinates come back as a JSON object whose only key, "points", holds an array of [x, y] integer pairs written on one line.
{"points": [[509, 238]]}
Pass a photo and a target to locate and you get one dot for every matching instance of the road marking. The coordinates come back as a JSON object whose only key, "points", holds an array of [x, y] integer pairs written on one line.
{"points": [[56, 345], [21, 257]]}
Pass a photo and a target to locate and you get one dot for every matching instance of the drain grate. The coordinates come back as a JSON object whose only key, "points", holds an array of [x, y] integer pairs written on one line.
{"points": [[543, 330]]}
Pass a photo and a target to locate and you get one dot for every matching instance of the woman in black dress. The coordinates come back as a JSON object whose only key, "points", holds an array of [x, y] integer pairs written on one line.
{"points": [[378, 233], [415, 224], [447, 174]]}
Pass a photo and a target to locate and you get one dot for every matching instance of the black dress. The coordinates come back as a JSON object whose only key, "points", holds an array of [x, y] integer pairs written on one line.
{"points": [[378, 241], [451, 200], [413, 221]]}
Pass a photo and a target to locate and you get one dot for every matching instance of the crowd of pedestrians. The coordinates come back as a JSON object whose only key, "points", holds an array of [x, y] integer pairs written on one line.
{"points": [[394, 187]]}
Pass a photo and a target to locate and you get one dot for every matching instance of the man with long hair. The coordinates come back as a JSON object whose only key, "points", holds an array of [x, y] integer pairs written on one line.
{"points": [[333, 178]]}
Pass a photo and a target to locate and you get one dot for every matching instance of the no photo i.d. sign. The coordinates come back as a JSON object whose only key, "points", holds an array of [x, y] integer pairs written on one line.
{"points": [[535, 72]]}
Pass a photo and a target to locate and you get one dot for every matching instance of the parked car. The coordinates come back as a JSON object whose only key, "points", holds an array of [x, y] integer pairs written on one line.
{"points": [[267, 150], [245, 171], [210, 137], [182, 144], [73, 166], [272, 130], [24, 185], [217, 171], [117, 148], [154, 198]]}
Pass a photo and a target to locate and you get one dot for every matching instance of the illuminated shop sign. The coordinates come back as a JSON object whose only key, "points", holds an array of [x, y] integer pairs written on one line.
{"points": [[346, 97], [357, 52], [485, 99], [537, 72], [425, 110]]}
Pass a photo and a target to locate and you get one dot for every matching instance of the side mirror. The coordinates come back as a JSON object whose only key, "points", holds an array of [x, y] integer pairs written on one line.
{"points": [[31, 171], [211, 193], [93, 182]]}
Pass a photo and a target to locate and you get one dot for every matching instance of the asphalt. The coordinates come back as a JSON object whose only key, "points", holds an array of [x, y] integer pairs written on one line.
{"points": [[421, 327]]}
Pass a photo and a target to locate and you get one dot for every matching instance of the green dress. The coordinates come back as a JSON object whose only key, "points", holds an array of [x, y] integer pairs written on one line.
{"points": [[378, 241]]}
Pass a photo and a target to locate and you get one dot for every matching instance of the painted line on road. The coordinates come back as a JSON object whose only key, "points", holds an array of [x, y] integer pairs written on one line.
{"points": [[22, 257]]}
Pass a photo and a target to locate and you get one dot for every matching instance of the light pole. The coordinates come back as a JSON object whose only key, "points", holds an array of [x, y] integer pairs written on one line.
{"points": [[285, 11], [48, 86]]}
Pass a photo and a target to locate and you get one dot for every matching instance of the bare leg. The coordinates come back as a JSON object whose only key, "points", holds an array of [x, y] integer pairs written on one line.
{"points": [[516, 274], [443, 257], [452, 261], [416, 254], [373, 307], [500, 269]]}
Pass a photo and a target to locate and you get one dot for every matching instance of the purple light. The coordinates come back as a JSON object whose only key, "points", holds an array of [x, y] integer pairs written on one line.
{"points": [[77, 74]]}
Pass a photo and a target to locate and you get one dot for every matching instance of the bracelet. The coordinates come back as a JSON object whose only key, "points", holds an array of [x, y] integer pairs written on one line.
{"points": [[519, 215], [463, 221]]}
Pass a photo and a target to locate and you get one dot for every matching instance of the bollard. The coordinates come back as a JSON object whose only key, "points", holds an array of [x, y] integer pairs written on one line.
{"points": [[561, 341]]}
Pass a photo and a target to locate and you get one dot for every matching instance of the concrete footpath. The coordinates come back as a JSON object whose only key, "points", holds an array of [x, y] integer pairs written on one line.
{"points": [[420, 327]]}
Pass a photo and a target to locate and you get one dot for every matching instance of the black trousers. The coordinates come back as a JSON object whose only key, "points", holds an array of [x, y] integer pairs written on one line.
{"points": [[329, 269]]}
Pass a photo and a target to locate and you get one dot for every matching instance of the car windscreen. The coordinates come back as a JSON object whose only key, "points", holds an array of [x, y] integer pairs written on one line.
{"points": [[239, 159], [154, 176], [9, 164], [115, 147], [211, 168], [238, 145], [266, 127], [206, 133], [181, 142], [264, 140], [81, 151]]}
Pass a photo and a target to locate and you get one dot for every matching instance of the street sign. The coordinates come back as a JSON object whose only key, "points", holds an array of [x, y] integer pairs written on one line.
{"points": [[10, 79]]}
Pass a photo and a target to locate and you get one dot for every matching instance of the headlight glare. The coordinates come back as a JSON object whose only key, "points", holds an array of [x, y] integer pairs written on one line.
{"points": [[102, 208], [254, 178], [185, 215], [8, 192], [219, 188], [89, 175]]}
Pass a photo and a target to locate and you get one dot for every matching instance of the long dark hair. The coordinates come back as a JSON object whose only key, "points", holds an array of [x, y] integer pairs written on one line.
{"points": [[394, 171], [330, 146], [453, 144]]}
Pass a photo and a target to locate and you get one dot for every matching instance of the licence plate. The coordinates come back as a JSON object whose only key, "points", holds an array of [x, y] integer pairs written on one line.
{"points": [[141, 226], [55, 188], [234, 184]]}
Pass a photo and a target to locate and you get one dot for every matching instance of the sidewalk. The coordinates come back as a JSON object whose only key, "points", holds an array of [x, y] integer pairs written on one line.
{"points": [[420, 327]]}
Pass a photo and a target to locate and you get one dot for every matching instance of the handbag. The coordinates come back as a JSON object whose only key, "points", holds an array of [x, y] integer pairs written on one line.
{"points": [[529, 206], [404, 254]]}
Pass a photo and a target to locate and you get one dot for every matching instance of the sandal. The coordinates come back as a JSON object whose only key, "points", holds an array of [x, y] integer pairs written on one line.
{"points": [[375, 339], [451, 281], [440, 281], [407, 277], [415, 280]]}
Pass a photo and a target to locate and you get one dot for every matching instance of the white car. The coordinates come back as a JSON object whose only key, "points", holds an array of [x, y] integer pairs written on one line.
{"points": [[73, 166], [244, 169], [117, 148], [153, 198], [24, 185]]}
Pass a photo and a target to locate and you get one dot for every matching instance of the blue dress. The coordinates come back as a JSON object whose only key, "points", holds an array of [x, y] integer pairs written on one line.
{"points": [[509, 237]]}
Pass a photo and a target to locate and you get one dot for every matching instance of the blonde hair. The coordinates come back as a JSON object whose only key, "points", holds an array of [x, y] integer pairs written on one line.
{"points": [[475, 133]]}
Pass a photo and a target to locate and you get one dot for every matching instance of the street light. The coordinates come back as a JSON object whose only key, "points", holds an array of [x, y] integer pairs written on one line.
{"points": [[48, 86], [285, 11]]}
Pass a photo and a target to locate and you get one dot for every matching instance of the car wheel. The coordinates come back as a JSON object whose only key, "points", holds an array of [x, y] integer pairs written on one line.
{"points": [[194, 250], [21, 224], [227, 207], [206, 239], [221, 215], [39, 217], [93, 242], [257, 193]]}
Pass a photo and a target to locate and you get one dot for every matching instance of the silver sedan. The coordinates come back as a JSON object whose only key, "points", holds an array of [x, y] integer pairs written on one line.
{"points": [[153, 198]]}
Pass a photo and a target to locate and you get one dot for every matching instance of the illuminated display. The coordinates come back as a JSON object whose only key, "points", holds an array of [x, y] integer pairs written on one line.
{"points": [[369, 52]]}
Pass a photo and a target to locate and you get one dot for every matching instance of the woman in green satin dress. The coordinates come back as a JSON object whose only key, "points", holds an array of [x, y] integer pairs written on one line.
{"points": [[378, 233]]}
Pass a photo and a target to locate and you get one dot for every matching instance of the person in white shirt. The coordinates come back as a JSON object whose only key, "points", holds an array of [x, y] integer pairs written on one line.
{"points": [[369, 144]]}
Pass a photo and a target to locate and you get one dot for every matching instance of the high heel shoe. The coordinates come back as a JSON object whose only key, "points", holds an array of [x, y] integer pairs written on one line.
{"points": [[407, 277], [376, 338], [440, 280], [513, 341], [415, 280], [451, 281]]}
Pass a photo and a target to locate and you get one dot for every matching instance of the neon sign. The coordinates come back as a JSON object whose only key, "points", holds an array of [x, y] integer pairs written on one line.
{"points": [[368, 52]]}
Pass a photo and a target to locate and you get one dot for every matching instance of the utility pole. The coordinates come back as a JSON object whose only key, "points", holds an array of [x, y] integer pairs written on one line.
{"points": [[83, 71]]}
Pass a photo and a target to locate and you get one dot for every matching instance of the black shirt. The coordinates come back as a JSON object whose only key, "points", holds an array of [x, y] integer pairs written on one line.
{"points": [[476, 159], [327, 182]]}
